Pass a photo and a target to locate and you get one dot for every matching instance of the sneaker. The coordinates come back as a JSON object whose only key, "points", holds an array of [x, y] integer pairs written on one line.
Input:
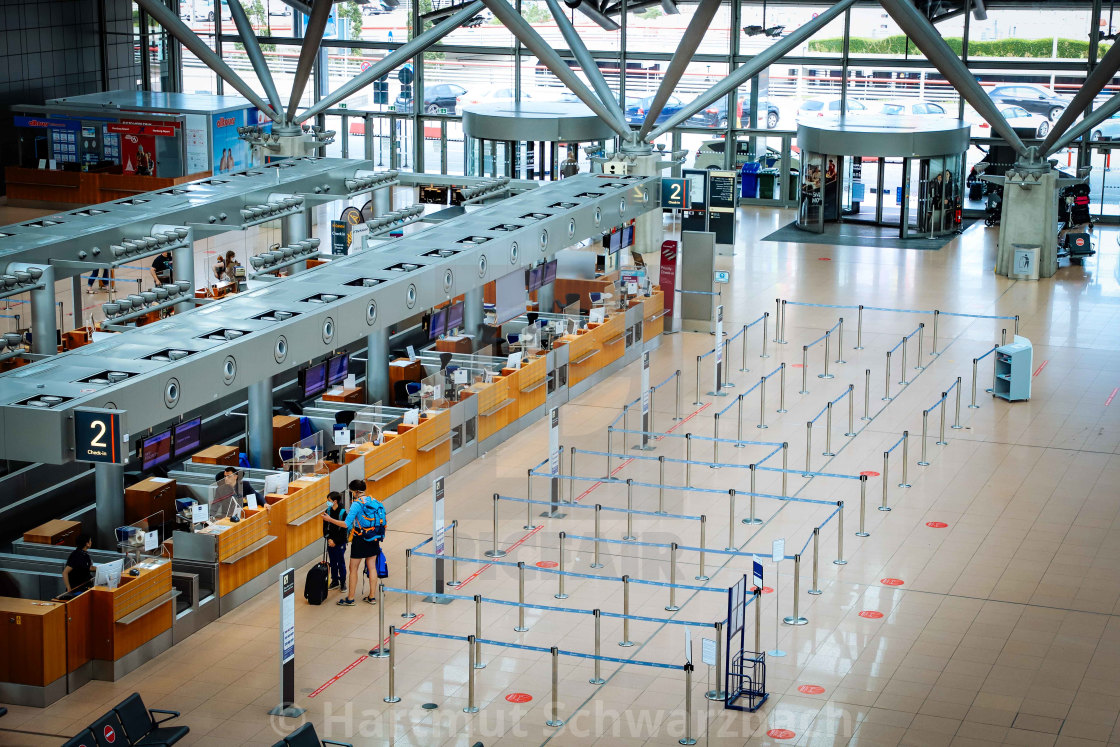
{"points": [[369, 600], [90, 291], [342, 588], [334, 585], [345, 602]]}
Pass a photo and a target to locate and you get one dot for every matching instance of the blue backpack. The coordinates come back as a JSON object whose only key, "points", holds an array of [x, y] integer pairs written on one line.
{"points": [[370, 522]]}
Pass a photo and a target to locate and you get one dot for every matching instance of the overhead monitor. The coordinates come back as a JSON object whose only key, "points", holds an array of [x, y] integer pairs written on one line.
{"points": [[155, 450], [337, 368], [509, 297], [615, 242], [455, 316], [627, 236], [535, 274], [313, 380], [437, 323], [186, 437], [549, 273]]}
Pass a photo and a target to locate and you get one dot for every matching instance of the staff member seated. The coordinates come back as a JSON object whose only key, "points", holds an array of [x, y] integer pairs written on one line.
{"points": [[78, 573], [229, 477]]}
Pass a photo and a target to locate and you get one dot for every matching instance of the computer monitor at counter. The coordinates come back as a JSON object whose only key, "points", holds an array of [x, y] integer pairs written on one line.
{"points": [[186, 437]]}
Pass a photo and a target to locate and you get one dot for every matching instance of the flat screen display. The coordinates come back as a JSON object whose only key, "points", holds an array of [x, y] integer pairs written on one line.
{"points": [[337, 368], [615, 242], [187, 436], [313, 379], [549, 273], [155, 450], [627, 236], [535, 279], [455, 316], [509, 297], [437, 325]]}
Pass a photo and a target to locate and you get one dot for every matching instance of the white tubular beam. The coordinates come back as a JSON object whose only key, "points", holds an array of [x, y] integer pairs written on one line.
{"points": [[312, 36], [1093, 85], [256, 56]]}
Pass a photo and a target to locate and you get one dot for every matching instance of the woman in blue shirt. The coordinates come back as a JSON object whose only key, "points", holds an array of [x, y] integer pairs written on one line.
{"points": [[364, 545]]}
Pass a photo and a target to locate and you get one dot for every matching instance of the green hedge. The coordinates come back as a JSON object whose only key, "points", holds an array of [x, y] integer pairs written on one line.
{"points": [[1075, 49]]}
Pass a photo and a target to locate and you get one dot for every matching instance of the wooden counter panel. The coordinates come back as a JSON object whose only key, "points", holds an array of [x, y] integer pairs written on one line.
{"points": [[233, 575], [223, 455], [55, 532], [113, 640], [497, 400], [433, 444], [532, 385], [79, 627], [32, 641], [252, 528]]}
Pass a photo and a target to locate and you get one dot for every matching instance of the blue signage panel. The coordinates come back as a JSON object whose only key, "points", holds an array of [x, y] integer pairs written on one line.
{"points": [[673, 193]]}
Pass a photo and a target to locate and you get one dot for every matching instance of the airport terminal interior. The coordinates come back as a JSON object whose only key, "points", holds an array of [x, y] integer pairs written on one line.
{"points": [[526, 372]]}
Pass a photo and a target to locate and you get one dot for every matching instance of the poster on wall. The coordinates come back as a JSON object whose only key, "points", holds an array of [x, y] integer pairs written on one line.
{"points": [[194, 136], [228, 152], [137, 154]]}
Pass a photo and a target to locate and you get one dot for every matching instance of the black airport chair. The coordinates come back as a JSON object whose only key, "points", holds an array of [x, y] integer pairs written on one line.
{"points": [[142, 726], [85, 739], [305, 736], [108, 731], [3, 711]]}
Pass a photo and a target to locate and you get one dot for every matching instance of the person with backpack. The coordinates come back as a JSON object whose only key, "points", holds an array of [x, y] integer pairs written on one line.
{"points": [[336, 542], [366, 521]]}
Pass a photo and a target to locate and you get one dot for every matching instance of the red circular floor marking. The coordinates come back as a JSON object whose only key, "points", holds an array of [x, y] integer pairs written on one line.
{"points": [[519, 697], [796, 365], [891, 581], [869, 473], [765, 589], [810, 689], [871, 614], [936, 524], [781, 734], [547, 564], [825, 259]]}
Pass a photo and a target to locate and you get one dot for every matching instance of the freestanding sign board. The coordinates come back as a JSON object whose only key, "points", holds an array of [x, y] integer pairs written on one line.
{"points": [[287, 586]]}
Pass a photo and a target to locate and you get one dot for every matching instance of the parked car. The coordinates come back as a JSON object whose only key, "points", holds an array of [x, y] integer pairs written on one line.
{"points": [[716, 114], [912, 108], [636, 109], [499, 95], [710, 156], [1107, 130], [436, 97], [1035, 99], [1024, 123], [826, 106]]}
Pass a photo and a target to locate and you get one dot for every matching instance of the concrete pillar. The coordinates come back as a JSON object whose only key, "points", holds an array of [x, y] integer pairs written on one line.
{"points": [[182, 268], [377, 367], [1030, 219], [259, 424], [76, 300], [545, 296], [108, 488], [382, 201], [293, 228], [44, 332], [472, 313], [648, 231]]}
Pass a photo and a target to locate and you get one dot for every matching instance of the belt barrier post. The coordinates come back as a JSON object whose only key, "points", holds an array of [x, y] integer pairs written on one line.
{"points": [[957, 411], [840, 341], [381, 651], [859, 329], [765, 333], [815, 589], [827, 355], [629, 511], [687, 739], [808, 447], [703, 544], [472, 664], [804, 369], [777, 320], [727, 383], [905, 345], [555, 721], [408, 613], [975, 365], [495, 552], [478, 662], [933, 347], [762, 403], [866, 394], [571, 475], [752, 519], [921, 344], [717, 693], [758, 621], [862, 507], [392, 668], [784, 312], [529, 509], [743, 363], [625, 426], [796, 618], [851, 411], [672, 606], [828, 431], [731, 520], [715, 442], [1003, 337], [697, 401], [454, 554], [661, 484], [677, 399], [925, 429], [1016, 324], [739, 430], [782, 388], [941, 434], [598, 678], [595, 560], [886, 479], [887, 383], [785, 468], [840, 535], [521, 627], [626, 642], [560, 576], [905, 459], [610, 433], [688, 460]]}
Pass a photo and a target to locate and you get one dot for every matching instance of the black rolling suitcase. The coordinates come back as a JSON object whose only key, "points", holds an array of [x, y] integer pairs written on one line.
{"points": [[976, 191], [315, 585]]}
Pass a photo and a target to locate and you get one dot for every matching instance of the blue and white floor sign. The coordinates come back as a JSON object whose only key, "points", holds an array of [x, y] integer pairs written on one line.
{"points": [[718, 368], [778, 550], [287, 644], [757, 574], [554, 441], [437, 515]]}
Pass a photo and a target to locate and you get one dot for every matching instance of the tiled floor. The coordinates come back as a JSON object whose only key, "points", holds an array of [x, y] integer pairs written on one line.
{"points": [[1004, 630]]}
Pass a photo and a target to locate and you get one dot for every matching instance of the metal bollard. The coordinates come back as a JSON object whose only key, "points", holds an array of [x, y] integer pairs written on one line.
{"points": [[804, 369], [762, 403], [957, 411], [393, 698], [905, 458], [598, 678], [765, 334], [851, 411], [859, 330], [625, 426], [743, 362], [840, 535], [472, 664], [555, 721], [777, 319], [905, 345], [408, 613], [921, 344], [862, 507], [688, 460], [495, 552], [796, 618], [887, 384], [840, 341], [687, 738], [886, 478], [727, 383], [595, 560], [785, 468], [455, 554], [718, 693], [677, 399], [661, 484], [739, 429], [703, 544], [815, 589], [808, 447], [752, 519], [560, 576], [1016, 324], [827, 355], [571, 476], [1003, 337], [629, 511], [610, 450], [521, 627], [478, 662], [933, 347], [697, 402], [715, 442], [925, 429], [828, 431], [382, 650], [784, 312], [975, 365], [672, 606], [528, 510], [782, 388], [866, 394], [941, 434], [731, 520], [626, 642]]}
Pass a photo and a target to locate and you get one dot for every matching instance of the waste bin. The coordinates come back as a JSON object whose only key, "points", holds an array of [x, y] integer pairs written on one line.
{"points": [[749, 180], [767, 178], [1024, 262]]}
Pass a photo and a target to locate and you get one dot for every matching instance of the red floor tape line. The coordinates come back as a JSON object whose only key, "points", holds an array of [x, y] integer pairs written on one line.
{"points": [[512, 547], [1038, 370], [358, 661], [1108, 401]]}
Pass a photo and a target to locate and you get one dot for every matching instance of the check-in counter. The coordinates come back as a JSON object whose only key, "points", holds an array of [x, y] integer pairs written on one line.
{"points": [[653, 313], [293, 518], [132, 623], [238, 550], [433, 441], [32, 651], [497, 404], [532, 384]]}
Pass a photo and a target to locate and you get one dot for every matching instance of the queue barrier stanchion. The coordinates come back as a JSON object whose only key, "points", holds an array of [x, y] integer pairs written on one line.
{"points": [[454, 554], [862, 507], [784, 312], [887, 383], [660, 485], [595, 559], [921, 343], [886, 478], [815, 589], [718, 693], [688, 460], [796, 618], [828, 452], [957, 411], [392, 697], [494, 552], [727, 384], [629, 511], [785, 468], [521, 627], [859, 330], [677, 398], [382, 650], [866, 394], [687, 738], [743, 359], [1003, 337], [905, 459], [626, 642], [560, 576], [933, 347], [975, 365], [472, 664], [478, 662], [762, 403], [851, 411], [672, 606], [902, 371], [941, 433], [777, 320], [698, 402], [765, 333], [840, 534], [408, 613], [1016, 324], [752, 519], [782, 388], [840, 342], [758, 620], [715, 442], [924, 462], [808, 448], [597, 679], [731, 522], [571, 471], [555, 721], [827, 355], [625, 426], [703, 544], [804, 369]]}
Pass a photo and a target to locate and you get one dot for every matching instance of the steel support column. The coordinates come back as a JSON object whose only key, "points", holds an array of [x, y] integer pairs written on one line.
{"points": [[309, 50], [258, 426], [43, 330], [377, 367], [108, 491], [254, 53], [472, 313]]}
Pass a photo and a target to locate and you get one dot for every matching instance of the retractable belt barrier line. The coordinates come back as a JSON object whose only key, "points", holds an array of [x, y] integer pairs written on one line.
{"points": [[900, 311], [826, 334], [758, 465], [905, 339], [831, 402], [714, 551], [736, 402], [577, 654], [638, 400], [896, 444], [686, 517]]}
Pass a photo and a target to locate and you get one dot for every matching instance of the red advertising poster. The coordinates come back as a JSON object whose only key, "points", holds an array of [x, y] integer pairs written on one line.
{"points": [[668, 277], [138, 154]]}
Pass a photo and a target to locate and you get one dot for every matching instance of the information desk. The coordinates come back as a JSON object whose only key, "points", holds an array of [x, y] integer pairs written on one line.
{"points": [[131, 616], [239, 550], [293, 518]]}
